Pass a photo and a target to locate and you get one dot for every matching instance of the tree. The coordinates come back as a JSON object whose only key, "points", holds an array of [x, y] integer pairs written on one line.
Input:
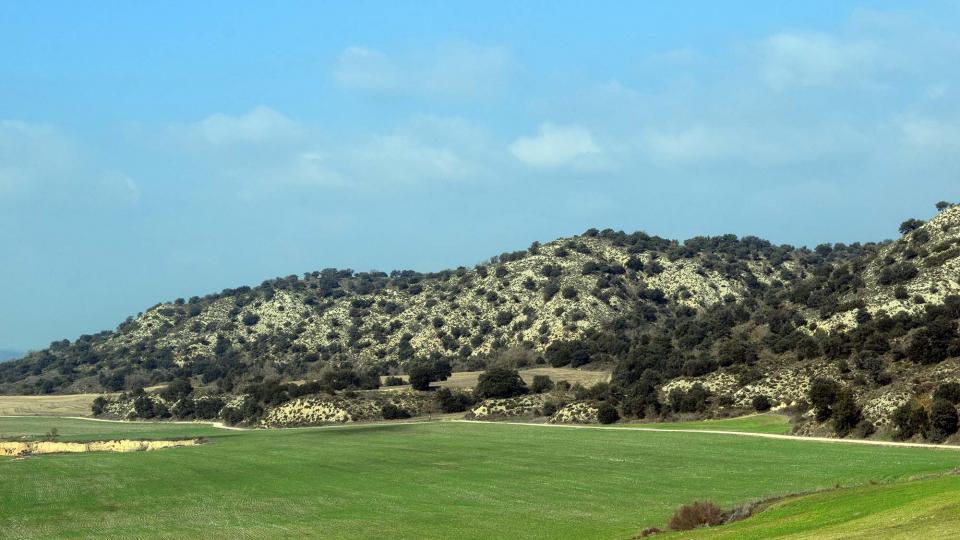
{"points": [[910, 419], [541, 384], [823, 394], [949, 391], [177, 389], [451, 401], [607, 414], [424, 372], [943, 420], [761, 403], [99, 406], [931, 344], [499, 382], [393, 412], [846, 414], [910, 225], [943, 205]]}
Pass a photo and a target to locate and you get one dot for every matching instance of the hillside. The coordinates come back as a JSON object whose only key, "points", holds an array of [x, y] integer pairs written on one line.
{"points": [[703, 326], [530, 299]]}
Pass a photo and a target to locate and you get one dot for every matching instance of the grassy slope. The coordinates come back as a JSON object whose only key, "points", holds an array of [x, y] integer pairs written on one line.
{"points": [[414, 480], [928, 509], [758, 423]]}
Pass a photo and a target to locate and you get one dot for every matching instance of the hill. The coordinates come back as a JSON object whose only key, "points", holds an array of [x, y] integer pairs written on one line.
{"points": [[703, 326]]}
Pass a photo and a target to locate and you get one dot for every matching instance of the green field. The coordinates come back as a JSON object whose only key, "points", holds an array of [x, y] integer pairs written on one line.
{"points": [[757, 423], [427, 480], [928, 509]]}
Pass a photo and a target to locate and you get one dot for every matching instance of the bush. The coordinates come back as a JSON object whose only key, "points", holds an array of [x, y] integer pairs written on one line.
{"points": [[392, 412], [423, 372], [393, 381], [607, 414], [453, 401], [761, 403], [948, 391], [823, 394], [943, 420], [550, 408], [498, 382], [692, 516], [846, 414], [98, 406], [251, 319], [541, 384], [910, 419]]}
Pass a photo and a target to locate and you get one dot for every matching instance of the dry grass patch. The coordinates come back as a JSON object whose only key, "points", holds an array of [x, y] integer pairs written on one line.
{"points": [[59, 405]]}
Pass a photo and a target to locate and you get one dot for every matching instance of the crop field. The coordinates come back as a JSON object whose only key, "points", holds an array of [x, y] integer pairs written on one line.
{"points": [[54, 405], [414, 480]]}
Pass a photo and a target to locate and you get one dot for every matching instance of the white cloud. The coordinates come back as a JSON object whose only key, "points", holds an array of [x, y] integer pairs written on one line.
{"points": [[40, 163], [807, 60], [459, 70], [557, 146], [751, 144], [260, 125], [929, 134]]}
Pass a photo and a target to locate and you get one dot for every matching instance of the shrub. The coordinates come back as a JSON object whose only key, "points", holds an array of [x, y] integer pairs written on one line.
{"points": [[550, 408], [498, 382], [761, 403], [949, 391], [423, 372], [541, 384], [453, 401], [607, 414], [823, 394], [251, 319], [98, 406], [392, 412], [393, 381], [864, 429], [698, 514], [910, 419], [846, 414], [943, 420]]}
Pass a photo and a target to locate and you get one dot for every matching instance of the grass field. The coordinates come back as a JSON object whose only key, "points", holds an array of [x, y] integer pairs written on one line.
{"points": [[758, 423], [427, 480], [928, 509], [65, 405]]}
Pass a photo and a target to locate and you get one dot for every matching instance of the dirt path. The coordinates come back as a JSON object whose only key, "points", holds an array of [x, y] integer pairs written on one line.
{"points": [[211, 423], [721, 432]]}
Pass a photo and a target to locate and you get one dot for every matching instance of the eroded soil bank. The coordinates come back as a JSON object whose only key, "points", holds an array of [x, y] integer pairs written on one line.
{"points": [[26, 448]]}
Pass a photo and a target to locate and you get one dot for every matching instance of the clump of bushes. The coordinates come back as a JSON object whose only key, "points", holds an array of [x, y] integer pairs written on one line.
{"points": [[698, 514], [761, 403], [499, 382], [541, 384], [393, 412], [451, 401], [607, 414]]}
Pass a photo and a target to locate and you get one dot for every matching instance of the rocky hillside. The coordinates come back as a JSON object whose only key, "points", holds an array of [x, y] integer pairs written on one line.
{"points": [[708, 322]]}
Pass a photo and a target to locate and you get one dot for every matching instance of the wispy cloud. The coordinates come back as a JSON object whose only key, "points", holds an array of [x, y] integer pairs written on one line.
{"points": [[557, 146], [810, 59], [455, 70]]}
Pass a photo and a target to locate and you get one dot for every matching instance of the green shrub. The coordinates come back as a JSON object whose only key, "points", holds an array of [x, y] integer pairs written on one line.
{"points": [[541, 384], [607, 414], [393, 412], [943, 420], [498, 382], [761, 403]]}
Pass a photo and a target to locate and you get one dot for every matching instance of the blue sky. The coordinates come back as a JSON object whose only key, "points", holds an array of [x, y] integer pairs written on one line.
{"points": [[153, 150]]}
